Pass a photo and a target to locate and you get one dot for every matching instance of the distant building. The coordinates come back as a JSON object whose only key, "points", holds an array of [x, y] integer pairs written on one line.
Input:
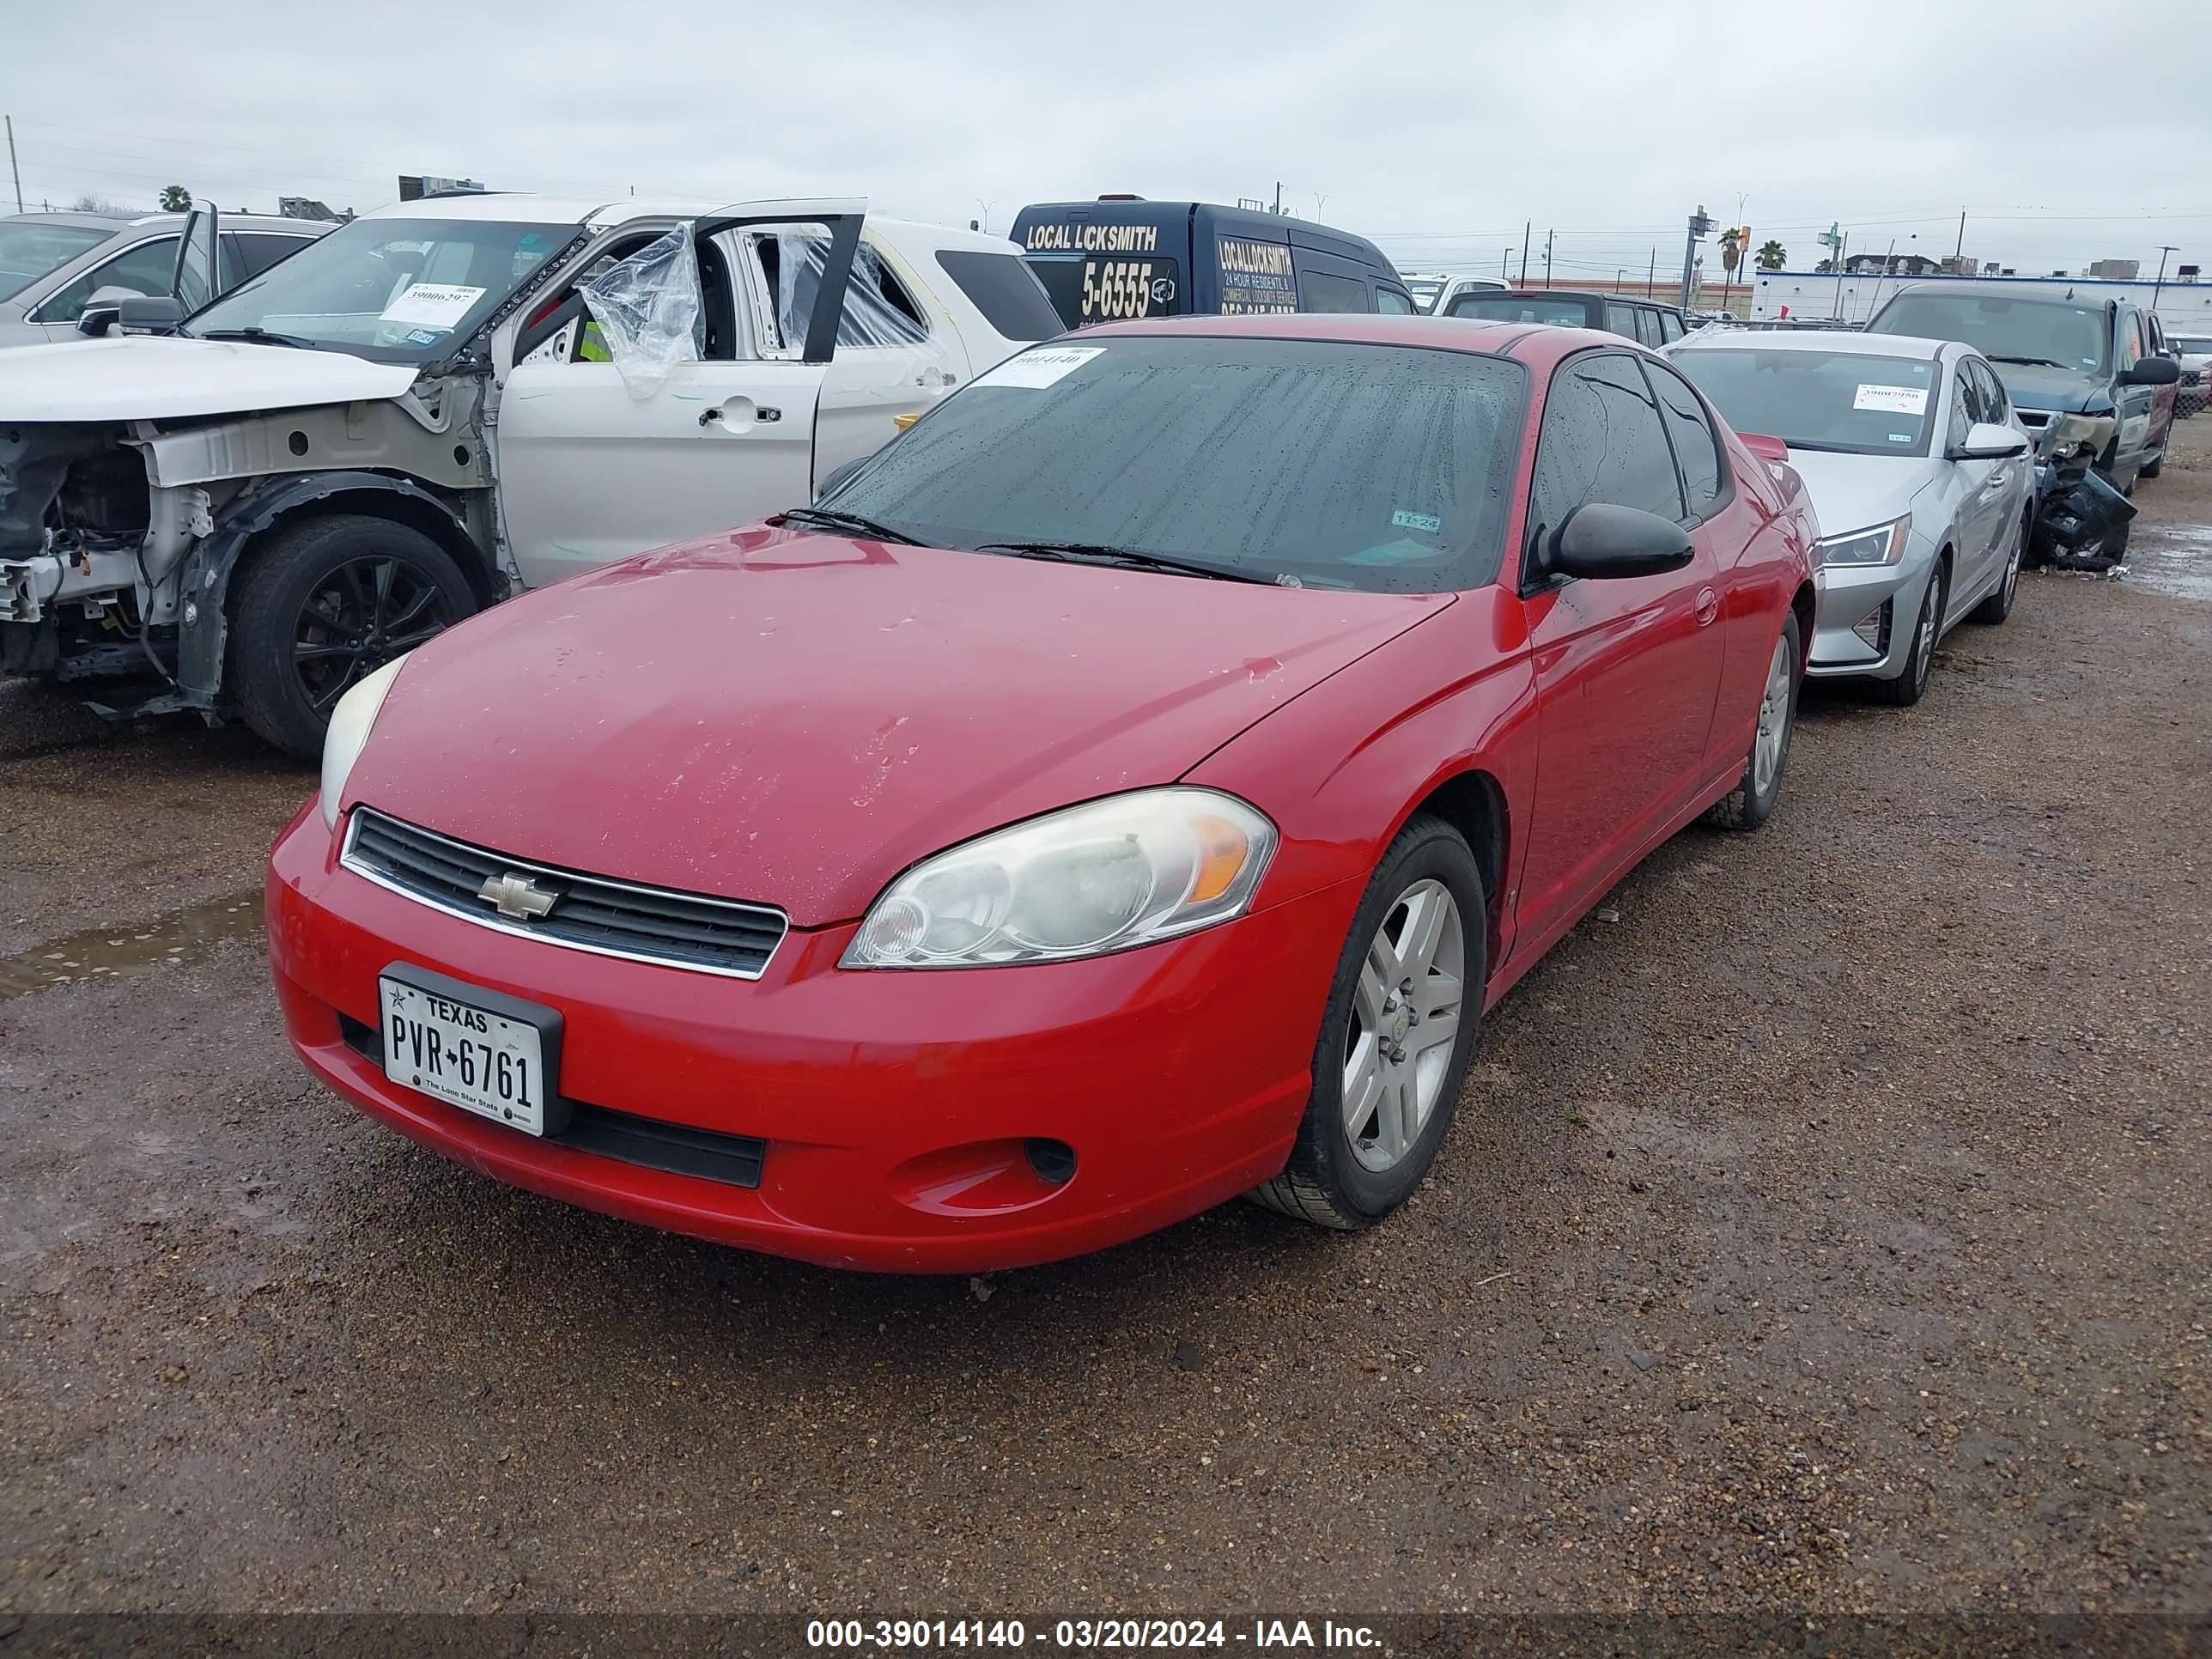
{"points": [[303, 207], [2116, 270], [1893, 264], [1963, 265], [413, 187]]}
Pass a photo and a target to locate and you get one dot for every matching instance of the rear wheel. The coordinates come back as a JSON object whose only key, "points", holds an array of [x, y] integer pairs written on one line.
{"points": [[1750, 803], [322, 602], [1998, 605], [1920, 661], [1397, 1039]]}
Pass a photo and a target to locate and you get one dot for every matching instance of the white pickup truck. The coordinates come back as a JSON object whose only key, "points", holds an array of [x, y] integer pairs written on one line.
{"points": [[441, 403]]}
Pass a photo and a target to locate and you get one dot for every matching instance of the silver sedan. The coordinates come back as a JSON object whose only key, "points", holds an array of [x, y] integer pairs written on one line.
{"points": [[1918, 470]]}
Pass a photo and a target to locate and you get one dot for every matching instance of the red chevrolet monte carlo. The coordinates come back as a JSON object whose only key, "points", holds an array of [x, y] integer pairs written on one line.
{"points": [[1126, 791]]}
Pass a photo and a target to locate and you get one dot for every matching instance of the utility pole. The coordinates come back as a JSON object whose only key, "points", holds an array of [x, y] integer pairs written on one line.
{"points": [[1505, 266], [1525, 229], [1279, 198], [1547, 259], [1651, 276], [1701, 224], [1959, 252], [2159, 286], [12, 168]]}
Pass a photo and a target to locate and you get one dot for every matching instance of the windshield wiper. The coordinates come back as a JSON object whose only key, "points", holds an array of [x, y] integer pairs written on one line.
{"points": [[2040, 362], [828, 519], [259, 337], [1127, 558]]}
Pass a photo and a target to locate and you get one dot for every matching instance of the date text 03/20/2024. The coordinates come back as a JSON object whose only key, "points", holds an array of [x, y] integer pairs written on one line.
{"points": [[1083, 1633]]}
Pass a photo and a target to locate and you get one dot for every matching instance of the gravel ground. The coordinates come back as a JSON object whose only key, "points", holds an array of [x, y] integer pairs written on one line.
{"points": [[1828, 1228]]}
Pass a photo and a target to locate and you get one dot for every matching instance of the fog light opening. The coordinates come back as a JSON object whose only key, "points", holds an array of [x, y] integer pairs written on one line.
{"points": [[1050, 1160]]}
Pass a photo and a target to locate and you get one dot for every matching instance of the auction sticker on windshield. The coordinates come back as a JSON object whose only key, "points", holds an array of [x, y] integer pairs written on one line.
{"points": [[1892, 399], [1038, 369], [431, 305], [469, 1057]]}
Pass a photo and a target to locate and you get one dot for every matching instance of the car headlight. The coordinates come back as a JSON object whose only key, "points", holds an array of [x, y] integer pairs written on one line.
{"points": [[2071, 434], [1082, 882], [350, 723], [1881, 544]]}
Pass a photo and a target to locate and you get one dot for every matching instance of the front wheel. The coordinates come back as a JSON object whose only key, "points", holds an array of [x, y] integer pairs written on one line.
{"points": [[1397, 1035], [1751, 801], [322, 602], [1920, 661]]}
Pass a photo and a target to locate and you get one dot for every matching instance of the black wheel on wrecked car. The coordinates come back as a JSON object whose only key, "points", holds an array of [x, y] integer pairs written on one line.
{"points": [[319, 603]]}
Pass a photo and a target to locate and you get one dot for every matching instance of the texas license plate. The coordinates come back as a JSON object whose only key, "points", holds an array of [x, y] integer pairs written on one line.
{"points": [[464, 1054]]}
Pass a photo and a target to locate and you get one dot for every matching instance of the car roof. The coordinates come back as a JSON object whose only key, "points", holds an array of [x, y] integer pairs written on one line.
{"points": [[122, 222], [1833, 341], [1583, 294], [2012, 291], [523, 207], [1535, 343]]}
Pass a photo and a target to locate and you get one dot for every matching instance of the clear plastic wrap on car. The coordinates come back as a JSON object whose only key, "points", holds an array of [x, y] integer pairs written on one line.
{"points": [[648, 310], [870, 317]]}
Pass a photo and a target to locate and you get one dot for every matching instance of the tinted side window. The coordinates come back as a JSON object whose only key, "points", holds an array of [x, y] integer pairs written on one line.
{"points": [[1697, 450], [1319, 291], [1602, 441], [2130, 339], [1995, 406], [1392, 303], [1964, 407], [1001, 287], [1670, 326], [1620, 319], [1647, 325], [146, 268], [258, 250]]}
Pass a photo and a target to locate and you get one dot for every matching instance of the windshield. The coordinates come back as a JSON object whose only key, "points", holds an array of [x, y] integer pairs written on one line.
{"points": [[2000, 327], [392, 290], [1386, 468], [2196, 345], [1424, 291], [29, 250], [1520, 308], [1841, 400]]}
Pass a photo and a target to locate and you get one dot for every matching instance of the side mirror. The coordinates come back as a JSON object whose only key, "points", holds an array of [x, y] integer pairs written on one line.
{"points": [[157, 313], [2152, 371], [1767, 448], [1601, 542], [1988, 442]]}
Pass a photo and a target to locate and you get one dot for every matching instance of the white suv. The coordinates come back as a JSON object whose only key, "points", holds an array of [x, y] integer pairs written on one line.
{"points": [[424, 412]]}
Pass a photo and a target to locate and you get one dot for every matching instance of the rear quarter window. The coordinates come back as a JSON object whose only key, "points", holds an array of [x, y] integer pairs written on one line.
{"points": [[1002, 288]]}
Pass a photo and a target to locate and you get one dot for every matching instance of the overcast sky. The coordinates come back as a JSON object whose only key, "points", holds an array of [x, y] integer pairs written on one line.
{"points": [[2070, 132]]}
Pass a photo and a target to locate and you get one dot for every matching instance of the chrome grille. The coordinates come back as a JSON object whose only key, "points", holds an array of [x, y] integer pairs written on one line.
{"points": [[588, 913]]}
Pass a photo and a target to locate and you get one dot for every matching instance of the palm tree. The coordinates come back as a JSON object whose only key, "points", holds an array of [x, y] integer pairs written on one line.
{"points": [[175, 198], [1731, 252], [1772, 256]]}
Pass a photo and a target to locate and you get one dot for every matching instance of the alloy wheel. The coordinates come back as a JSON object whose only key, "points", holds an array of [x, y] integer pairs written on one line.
{"points": [[363, 614], [1923, 645], [1405, 1024], [1773, 737]]}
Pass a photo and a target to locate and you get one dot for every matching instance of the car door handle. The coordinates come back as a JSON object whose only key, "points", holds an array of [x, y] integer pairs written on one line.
{"points": [[1708, 606], [764, 415]]}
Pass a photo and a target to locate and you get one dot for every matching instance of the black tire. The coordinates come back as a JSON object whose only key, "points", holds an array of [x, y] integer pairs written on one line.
{"points": [[1996, 605], [312, 611], [1746, 806], [2152, 469], [1325, 1182], [1920, 661]]}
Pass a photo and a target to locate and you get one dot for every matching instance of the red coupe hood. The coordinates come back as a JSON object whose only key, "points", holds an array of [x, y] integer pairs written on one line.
{"points": [[795, 719]]}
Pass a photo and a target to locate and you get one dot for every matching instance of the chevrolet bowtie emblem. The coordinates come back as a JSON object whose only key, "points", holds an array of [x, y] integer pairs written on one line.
{"points": [[514, 897]]}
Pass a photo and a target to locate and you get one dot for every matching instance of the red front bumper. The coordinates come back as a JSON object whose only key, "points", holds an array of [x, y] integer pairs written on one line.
{"points": [[895, 1104]]}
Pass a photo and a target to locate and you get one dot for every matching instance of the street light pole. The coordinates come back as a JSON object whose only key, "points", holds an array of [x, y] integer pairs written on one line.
{"points": [[1701, 224], [2159, 286]]}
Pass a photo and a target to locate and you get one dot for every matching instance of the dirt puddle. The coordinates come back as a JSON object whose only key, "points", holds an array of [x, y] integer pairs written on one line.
{"points": [[121, 952], [2174, 558]]}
